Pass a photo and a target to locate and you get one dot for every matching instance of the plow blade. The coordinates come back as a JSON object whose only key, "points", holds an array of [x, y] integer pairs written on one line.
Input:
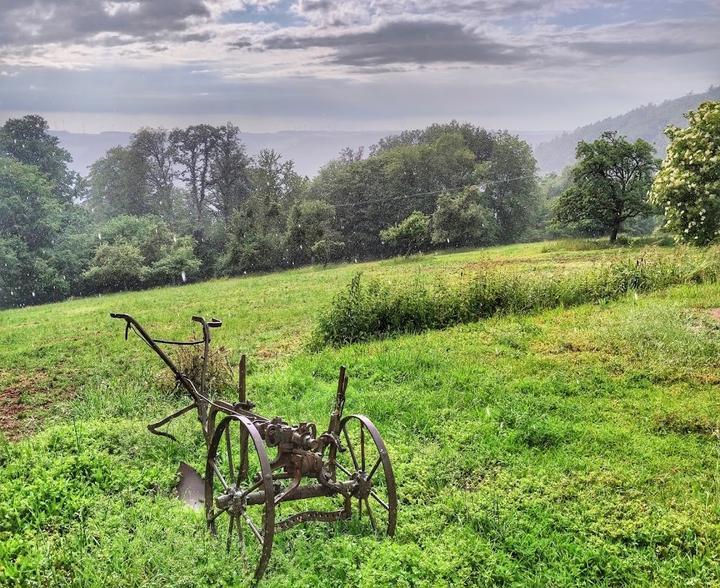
{"points": [[190, 487]]}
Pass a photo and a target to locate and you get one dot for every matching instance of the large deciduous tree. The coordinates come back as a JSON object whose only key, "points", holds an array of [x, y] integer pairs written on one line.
{"points": [[463, 218], [311, 232], [30, 219], [28, 141], [194, 150], [119, 184], [231, 185], [610, 183], [510, 186], [157, 153], [688, 184]]}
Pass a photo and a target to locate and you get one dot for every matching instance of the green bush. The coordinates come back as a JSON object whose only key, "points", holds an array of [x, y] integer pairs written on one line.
{"points": [[364, 312]]}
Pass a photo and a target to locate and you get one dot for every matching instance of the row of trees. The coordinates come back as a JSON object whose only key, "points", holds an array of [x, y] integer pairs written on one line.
{"points": [[185, 204]]}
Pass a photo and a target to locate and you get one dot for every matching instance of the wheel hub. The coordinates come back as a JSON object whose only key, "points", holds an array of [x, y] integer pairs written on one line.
{"points": [[363, 484], [234, 501]]}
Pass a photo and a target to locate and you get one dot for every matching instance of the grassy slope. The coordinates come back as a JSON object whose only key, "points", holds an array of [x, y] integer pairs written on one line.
{"points": [[570, 447]]}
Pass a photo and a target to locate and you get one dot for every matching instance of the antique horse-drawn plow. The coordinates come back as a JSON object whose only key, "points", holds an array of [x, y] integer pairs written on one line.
{"points": [[243, 485]]}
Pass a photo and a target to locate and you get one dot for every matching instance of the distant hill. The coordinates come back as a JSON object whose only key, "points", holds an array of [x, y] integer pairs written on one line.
{"points": [[646, 122], [310, 150]]}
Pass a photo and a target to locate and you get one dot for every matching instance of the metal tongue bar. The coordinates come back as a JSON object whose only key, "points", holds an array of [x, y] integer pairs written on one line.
{"points": [[190, 487]]}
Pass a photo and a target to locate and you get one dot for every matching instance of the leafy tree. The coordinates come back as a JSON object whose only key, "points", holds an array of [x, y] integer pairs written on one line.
{"points": [[137, 252], [230, 172], [256, 232], [30, 220], [157, 153], [116, 267], [356, 190], [463, 218], [410, 234], [327, 249], [194, 150], [510, 187], [27, 140], [119, 184], [610, 183], [309, 222], [688, 184]]}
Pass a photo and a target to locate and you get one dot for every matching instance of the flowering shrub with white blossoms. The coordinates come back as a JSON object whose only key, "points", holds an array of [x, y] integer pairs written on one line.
{"points": [[687, 186]]}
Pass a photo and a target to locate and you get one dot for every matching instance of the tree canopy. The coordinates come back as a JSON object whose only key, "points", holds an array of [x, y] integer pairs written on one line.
{"points": [[687, 187], [610, 183]]}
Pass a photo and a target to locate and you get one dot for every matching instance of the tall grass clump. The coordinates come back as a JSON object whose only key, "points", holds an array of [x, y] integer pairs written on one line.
{"points": [[375, 309]]}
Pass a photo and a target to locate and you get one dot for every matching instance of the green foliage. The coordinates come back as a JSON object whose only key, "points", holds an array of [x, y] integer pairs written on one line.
{"points": [[139, 252], [311, 234], [118, 183], [28, 210], [511, 190], [463, 219], [688, 184], [409, 172], [27, 140], [115, 267], [30, 221], [378, 310], [409, 235], [610, 183]]}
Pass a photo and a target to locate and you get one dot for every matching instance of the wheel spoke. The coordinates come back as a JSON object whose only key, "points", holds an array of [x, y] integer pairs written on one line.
{"points": [[217, 514], [231, 469], [230, 531], [374, 469], [243, 467], [343, 468], [255, 486], [350, 449], [215, 468], [370, 515], [255, 530], [241, 536], [380, 500]]}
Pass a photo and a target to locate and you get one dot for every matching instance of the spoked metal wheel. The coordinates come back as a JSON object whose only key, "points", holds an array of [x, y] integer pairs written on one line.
{"points": [[239, 493], [366, 460]]}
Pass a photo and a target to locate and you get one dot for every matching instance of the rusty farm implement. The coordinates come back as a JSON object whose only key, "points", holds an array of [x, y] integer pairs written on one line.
{"points": [[256, 465]]}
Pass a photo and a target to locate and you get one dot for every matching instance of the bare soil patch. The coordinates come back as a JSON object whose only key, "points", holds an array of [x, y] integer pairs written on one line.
{"points": [[26, 400]]}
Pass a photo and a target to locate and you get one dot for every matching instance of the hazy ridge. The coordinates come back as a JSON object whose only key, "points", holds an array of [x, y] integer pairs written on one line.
{"points": [[645, 122]]}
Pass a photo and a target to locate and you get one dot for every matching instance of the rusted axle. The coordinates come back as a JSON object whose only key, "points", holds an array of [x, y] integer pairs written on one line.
{"points": [[303, 492]]}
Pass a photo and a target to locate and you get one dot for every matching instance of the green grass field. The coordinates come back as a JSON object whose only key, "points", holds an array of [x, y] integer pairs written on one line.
{"points": [[570, 447]]}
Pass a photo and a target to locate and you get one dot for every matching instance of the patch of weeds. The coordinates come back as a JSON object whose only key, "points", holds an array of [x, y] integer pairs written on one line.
{"points": [[189, 359], [377, 309], [686, 424]]}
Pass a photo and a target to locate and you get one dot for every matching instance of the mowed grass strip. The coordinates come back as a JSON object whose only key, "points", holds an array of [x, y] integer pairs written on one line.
{"points": [[569, 447]]}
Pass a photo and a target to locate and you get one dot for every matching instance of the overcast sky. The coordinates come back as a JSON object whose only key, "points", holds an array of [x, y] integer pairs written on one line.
{"points": [[92, 65]]}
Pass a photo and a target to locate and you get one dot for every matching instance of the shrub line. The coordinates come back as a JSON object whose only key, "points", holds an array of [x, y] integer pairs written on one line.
{"points": [[373, 309]]}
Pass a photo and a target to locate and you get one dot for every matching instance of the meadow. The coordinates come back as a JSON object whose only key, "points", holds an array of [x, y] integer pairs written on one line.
{"points": [[570, 446]]}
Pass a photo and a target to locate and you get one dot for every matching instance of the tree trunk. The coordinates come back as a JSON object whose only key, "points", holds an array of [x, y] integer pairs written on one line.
{"points": [[614, 232]]}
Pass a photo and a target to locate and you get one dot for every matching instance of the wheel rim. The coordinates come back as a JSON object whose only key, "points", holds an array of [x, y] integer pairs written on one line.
{"points": [[237, 465], [366, 459]]}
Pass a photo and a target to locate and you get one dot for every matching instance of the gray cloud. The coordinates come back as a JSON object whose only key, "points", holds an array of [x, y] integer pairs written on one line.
{"points": [[637, 48], [402, 42], [66, 21]]}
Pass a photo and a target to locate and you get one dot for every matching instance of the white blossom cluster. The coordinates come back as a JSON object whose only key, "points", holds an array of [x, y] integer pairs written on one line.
{"points": [[688, 183]]}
